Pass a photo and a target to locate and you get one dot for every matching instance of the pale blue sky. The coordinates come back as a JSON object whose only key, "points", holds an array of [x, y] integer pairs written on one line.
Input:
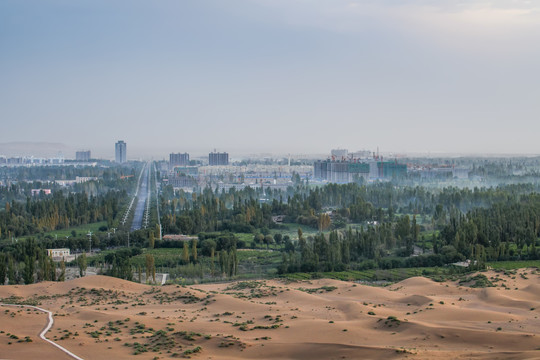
{"points": [[284, 76]]}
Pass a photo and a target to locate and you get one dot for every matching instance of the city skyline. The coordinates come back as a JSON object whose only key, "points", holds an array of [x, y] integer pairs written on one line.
{"points": [[54, 150], [281, 76]]}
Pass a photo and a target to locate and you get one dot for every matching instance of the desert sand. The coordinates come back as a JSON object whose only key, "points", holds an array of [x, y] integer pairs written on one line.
{"points": [[100, 317]]}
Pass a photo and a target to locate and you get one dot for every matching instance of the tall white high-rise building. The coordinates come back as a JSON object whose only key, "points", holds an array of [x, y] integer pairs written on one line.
{"points": [[120, 151]]}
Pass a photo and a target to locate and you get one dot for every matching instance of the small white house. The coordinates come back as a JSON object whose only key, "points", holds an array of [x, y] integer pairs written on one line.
{"points": [[58, 253]]}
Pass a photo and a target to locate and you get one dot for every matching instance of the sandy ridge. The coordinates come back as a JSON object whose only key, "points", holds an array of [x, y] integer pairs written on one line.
{"points": [[418, 318]]}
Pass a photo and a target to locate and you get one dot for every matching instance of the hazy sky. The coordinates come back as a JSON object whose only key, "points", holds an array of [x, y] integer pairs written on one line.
{"points": [[272, 75]]}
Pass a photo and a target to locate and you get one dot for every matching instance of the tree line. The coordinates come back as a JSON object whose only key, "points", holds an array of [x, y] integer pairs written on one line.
{"points": [[58, 211], [28, 262], [504, 231], [243, 211]]}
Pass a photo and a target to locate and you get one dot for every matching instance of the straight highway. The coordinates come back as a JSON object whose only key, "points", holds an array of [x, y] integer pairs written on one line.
{"points": [[143, 195]]}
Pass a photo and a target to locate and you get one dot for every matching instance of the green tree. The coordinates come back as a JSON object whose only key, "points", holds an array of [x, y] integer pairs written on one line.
{"points": [[288, 244], [415, 229], [278, 239], [403, 227], [43, 263], [223, 260], [268, 240], [323, 221], [194, 250], [258, 239], [185, 254], [150, 267], [81, 262], [235, 261], [207, 246], [51, 269], [212, 261], [151, 240], [29, 269], [11, 271], [62, 276], [3, 268]]}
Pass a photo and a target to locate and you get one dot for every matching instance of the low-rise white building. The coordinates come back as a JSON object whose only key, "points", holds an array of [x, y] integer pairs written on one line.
{"points": [[59, 253]]}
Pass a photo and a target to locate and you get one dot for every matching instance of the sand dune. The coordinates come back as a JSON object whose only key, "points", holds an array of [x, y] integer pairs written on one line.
{"points": [[417, 300], [101, 317], [533, 289], [496, 297]]}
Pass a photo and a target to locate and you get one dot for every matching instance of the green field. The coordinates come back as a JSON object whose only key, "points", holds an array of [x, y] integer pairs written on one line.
{"points": [[80, 230], [511, 265], [260, 257], [246, 237], [293, 230]]}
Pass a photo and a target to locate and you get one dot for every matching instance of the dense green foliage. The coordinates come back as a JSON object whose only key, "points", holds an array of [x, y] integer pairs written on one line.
{"points": [[504, 231], [58, 211], [353, 227], [21, 180], [27, 262], [241, 211]]}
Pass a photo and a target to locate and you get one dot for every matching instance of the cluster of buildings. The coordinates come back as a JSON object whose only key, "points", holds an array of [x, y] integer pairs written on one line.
{"points": [[219, 174], [36, 192], [182, 174], [30, 160], [120, 156], [64, 183], [345, 167], [214, 159], [78, 180], [81, 156]]}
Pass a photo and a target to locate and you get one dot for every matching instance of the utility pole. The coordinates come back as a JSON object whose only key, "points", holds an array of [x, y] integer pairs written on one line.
{"points": [[128, 239], [90, 238]]}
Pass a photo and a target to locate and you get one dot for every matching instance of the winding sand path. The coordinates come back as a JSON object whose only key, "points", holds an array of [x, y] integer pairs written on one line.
{"points": [[50, 323]]}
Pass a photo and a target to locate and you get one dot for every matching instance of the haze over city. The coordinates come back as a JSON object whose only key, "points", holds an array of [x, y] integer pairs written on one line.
{"points": [[269, 179], [271, 76]]}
